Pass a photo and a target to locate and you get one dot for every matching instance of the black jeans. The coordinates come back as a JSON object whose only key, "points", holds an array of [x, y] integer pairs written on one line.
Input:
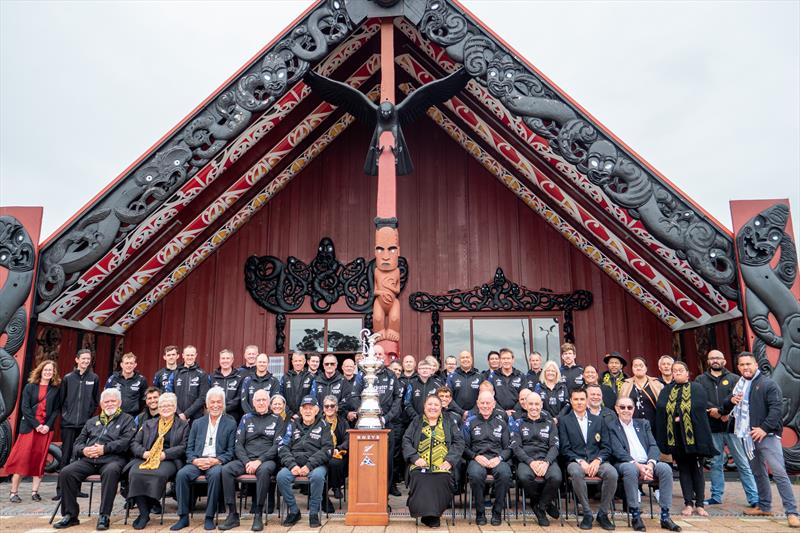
{"points": [[690, 472]]}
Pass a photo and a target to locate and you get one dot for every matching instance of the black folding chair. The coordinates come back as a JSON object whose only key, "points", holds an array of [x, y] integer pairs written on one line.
{"points": [[91, 480], [520, 490]]}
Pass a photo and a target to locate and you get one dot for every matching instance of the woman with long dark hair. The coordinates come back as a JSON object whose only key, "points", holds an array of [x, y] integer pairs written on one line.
{"points": [[41, 402], [643, 390]]}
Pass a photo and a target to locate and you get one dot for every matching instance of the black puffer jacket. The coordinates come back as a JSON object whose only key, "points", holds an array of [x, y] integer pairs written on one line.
{"points": [[303, 445]]}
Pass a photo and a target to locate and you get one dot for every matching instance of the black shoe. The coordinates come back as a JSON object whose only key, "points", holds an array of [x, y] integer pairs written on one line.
{"points": [[497, 519], [271, 508], [638, 524], [431, 521], [541, 517], [35, 496], [67, 521], [103, 522], [313, 520], [156, 509], [208, 524], [328, 507], [605, 522], [337, 493], [231, 521], [183, 522], [291, 518], [552, 510], [480, 519], [82, 494], [258, 523], [394, 491], [141, 521], [586, 523], [669, 525], [56, 497]]}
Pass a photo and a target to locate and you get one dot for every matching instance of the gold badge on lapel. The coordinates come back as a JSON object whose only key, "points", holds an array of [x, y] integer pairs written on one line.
{"points": [[597, 437]]}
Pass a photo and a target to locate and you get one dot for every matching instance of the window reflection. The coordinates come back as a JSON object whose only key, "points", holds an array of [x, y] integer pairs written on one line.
{"points": [[495, 333], [307, 334], [343, 334], [456, 336], [546, 339]]}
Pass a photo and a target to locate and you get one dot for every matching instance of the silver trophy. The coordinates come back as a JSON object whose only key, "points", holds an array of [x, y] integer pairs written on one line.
{"points": [[369, 414]]}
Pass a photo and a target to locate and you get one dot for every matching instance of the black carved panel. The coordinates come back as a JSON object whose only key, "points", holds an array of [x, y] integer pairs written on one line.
{"points": [[769, 295], [282, 287], [17, 255], [500, 294]]}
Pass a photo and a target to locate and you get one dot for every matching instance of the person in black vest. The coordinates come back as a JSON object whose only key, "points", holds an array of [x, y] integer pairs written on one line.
{"points": [[534, 442], [464, 382], [150, 411], [486, 446], [162, 377], [249, 367], [101, 448], [615, 375], [571, 371], [493, 360], [230, 380], [507, 381], [586, 448], [304, 450], [534, 370], [330, 382], [80, 396], [260, 379], [297, 383], [130, 384], [190, 384], [418, 388], [636, 456], [255, 453]]}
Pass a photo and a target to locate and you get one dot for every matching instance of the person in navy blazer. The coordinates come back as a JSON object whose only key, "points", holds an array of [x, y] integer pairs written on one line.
{"points": [[587, 457], [635, 456], [211, 443]]}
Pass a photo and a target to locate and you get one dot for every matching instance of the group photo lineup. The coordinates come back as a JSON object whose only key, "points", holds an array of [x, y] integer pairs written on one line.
{"points": [[390, 275]]}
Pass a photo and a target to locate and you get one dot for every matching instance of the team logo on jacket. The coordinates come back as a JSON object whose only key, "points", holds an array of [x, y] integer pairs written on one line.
{"points": [[476, 384], [498, 432], [545, 433], [516, 382], [195, 381], [316, 433], [135, 386], [525, 432], [597, 437]]}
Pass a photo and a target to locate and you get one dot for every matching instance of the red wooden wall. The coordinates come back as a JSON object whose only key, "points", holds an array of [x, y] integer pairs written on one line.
{"points": [[457, 225]]}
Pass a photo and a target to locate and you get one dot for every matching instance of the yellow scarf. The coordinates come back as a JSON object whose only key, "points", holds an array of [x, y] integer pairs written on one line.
{"points": [[339, 453], [432, 445], [154, 459]]}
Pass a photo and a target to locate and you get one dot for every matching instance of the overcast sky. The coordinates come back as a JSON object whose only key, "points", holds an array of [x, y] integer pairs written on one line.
{"points": [[707, 92]]}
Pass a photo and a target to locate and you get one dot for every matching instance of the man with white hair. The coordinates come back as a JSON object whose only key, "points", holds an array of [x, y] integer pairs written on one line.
{"points": [[210, 446], [101, 448]]}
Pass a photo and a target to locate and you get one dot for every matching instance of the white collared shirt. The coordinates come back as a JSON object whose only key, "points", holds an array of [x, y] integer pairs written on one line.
{"points": [[583, 423], [210, 443], [638, 452]]}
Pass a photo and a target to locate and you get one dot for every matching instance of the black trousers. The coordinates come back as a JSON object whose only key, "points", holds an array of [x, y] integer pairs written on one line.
{"points": [[548, 486], [476, 474], [68, 436], [390, 448], [690, 473], [75, 473], [263, 474]]}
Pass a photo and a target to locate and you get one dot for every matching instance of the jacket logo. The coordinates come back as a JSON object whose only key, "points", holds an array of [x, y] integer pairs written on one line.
{"points": [[195, 381], [90, 383], [135, 386], [498, 432], [597, 437], [725, 381]]}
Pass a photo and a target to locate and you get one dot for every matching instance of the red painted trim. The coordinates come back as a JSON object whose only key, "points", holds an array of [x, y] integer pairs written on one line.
{"points": [[179, 125]]}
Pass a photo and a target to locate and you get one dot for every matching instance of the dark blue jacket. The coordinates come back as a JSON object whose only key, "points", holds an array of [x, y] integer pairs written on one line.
{"points": [[620, 448], [766, 405], [226, 437], [573, 447]]}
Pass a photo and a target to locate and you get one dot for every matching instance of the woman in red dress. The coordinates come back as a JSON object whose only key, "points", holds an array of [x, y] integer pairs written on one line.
{"points": [[40, 405]]}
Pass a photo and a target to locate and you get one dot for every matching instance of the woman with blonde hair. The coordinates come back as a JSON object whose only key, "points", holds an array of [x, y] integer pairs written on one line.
{"points": [[41, 402], [552, 390], [277, 405]]}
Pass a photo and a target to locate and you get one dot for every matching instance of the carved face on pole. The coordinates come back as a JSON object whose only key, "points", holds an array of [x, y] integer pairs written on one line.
{"points": [[387, 249]]}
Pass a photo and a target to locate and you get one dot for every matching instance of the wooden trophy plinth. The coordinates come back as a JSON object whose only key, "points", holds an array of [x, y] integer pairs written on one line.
{"points": [[367, 497]]}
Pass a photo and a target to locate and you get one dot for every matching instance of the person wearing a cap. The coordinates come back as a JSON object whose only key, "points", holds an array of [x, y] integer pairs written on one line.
{"points": [[304, 450], [614, 376]]}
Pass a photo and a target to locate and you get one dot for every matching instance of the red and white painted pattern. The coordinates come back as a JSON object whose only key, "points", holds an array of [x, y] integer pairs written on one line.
{"points": [[234, 223], [220, 205], [542, 147], [136, 239], [555, 194]]}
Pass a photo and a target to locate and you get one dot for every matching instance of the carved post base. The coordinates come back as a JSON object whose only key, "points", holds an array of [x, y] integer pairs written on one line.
{"points": [[367, 498]]}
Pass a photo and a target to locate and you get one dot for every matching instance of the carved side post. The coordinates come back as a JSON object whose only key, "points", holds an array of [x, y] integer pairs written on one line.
{"points": [[766, 260], [19, 239]]}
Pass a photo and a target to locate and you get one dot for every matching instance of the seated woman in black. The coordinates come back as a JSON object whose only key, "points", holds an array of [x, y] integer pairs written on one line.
{"points": [[337, 467], [159, 448], [432, 445]]}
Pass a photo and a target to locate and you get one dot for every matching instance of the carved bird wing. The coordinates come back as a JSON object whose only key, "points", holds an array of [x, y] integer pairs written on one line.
{"points": [[433, 93], [344, 97]]}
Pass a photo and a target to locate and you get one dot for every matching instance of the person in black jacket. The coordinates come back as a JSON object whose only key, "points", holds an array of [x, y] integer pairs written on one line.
{"points": [[259, 379], [432, 447], [162, 377], [297, 383], [571, 371], [615, 375], [534, 441], [718, 384], [486, 441], [591, 377], [80, 395], [331, 383], [130, 384], [534, 370], [464, 383], [507, 381], [230, 380], [586, 449], [190, 384], [40, 403], [304, 450], [249, 367], [757, 405], [340, 445], [552, 390], [420, 387], [256, 453], [102, 448]]}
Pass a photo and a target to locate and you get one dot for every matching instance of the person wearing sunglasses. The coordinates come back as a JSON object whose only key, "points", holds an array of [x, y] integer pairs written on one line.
{"points": [[337, 467], [635, 456], [330, 382]]}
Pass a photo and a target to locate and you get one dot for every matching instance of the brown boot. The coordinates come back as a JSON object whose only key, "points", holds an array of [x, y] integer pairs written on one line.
{"points": [[794, 520], [755, 511]]}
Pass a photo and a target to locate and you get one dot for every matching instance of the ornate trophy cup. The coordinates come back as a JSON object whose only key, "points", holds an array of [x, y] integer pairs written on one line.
{"points": [[369, 414]]}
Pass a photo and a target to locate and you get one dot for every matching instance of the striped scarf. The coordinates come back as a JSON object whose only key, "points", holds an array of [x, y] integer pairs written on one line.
{"points": [[432, 445], [154, 459], [741, 414]]}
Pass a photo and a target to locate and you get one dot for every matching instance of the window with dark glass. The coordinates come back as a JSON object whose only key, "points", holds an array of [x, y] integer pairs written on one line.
{"points": [[324, 335]]}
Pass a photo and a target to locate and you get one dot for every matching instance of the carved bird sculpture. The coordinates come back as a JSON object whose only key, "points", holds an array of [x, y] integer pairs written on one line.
{"points": [[387, 116]]}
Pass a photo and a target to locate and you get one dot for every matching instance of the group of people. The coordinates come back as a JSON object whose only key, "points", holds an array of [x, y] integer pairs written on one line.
{"points": [[449, 428]]}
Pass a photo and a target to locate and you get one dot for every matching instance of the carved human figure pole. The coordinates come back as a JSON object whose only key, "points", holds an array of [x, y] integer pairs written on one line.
{"points": [[386, 309]]}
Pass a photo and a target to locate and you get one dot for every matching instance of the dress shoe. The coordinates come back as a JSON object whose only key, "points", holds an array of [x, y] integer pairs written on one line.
{"points": [[605, 522], [793, 520], [337, 493], [669, 525], [328, 507], [313, 520], [541, 516], [208, 524], [552, 510], [394, 491], [103, 522], [67, 521], [497, 519], [82, 494], [258, 523], [586, 522], [156, 509], [480, 519], [291, 518], [755, 511], [183, 522], [141, 521], [231, 521], [638, 524], [56, 497]]}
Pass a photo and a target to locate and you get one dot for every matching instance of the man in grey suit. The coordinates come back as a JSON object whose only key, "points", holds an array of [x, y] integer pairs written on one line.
{"points": [[636, 458]]}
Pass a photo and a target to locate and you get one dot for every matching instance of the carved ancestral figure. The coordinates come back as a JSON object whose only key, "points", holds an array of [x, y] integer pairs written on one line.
{"points": [[387, 116], [386, 309], [769, 292]]}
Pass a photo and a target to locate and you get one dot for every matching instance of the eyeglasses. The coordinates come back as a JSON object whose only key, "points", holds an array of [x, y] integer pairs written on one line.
{"points": [[625, 407], [329, 364], [330, 406]]}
